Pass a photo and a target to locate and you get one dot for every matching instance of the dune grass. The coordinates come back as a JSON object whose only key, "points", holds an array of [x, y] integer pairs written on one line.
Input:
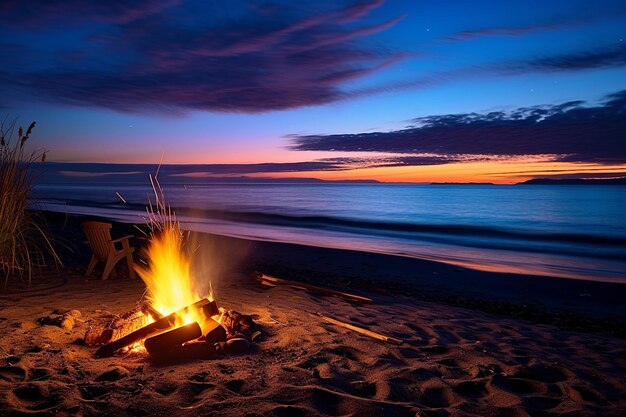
{"points": [[24, 240]]}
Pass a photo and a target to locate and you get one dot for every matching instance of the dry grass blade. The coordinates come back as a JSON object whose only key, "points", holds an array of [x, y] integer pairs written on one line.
{"points": [[23, 238]]}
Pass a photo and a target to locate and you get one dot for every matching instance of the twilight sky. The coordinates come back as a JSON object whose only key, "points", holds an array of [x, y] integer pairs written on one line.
{"points": [[390, 90]]}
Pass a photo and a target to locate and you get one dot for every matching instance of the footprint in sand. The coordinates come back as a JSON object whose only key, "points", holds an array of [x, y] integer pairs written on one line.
{"points": [[225, 369], [40, 374], [92, 392], [35, 397], [338, 404], [472, 390], [189, 393], [540, 403], [313, 362], [437, 397], [12, 360], [236, 386], [519, 385], [544, 373], [346, 352], [398, 389], [166, 388], [449, 362], [12, 373]]}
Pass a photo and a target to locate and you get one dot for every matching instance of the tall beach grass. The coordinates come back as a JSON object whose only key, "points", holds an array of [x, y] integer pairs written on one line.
{"points": [[24, 241]]}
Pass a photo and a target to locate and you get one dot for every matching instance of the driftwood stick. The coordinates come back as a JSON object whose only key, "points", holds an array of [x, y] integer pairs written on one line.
{"points": [[267, 279], [361, 330], [149, 330]]}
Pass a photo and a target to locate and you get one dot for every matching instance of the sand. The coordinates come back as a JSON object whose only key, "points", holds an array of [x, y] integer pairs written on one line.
{"points": [[454, 361]]}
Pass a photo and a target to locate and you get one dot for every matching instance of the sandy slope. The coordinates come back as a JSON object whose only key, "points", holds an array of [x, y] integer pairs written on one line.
{"points": [[454, 361]]}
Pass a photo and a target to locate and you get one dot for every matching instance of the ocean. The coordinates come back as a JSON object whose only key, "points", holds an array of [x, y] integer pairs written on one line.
{"points": [[550, 230]]}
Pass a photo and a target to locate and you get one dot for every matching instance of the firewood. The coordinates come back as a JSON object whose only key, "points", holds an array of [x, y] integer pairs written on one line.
{"points": [[208, 312], [267, 279], [163, 342], [213, 331], [146, 331], [147, 309], [117, 327], [188, 351], [361, 330]]}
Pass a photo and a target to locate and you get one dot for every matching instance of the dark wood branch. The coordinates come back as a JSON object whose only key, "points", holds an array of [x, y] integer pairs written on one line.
{"points": [[273, 281], [361, 330]]}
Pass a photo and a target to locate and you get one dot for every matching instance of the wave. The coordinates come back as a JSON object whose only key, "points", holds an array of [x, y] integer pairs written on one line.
{"points": [[459, 234], [435, 229]]}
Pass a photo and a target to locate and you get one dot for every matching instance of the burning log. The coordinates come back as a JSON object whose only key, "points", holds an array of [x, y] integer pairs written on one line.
{"points": [[157, 326], [159, 345], [122, 325], [213, 331], [273, 281], [188, 351], [361, 330]]}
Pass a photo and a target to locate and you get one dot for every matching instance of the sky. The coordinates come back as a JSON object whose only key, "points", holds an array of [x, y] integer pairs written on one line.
{"points": [[398, 91]]}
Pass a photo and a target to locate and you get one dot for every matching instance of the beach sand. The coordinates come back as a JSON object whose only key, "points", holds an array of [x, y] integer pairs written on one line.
{"points": [[455, 361]]}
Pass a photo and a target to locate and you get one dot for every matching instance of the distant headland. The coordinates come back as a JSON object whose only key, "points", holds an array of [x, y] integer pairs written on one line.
{"points": [[576, 181]]}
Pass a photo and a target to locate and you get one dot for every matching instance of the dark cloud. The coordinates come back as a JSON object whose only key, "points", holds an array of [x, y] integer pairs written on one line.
{"points": [[511, 31], [197, 56], [607, 57], [19, 13], [570, 130]]}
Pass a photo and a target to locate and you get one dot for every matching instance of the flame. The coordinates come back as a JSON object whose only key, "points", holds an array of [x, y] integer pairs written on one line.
{"points": [[168, 277]]}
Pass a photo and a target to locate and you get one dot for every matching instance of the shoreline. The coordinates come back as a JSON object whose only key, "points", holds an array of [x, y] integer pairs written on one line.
{"points": [[567, 303]]}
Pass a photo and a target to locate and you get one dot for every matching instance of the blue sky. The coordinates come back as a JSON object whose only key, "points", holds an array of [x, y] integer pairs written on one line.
{"points": [[238, 82]]}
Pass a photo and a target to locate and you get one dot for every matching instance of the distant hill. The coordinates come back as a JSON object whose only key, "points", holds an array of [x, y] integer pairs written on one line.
{"points": [[576, 181]]}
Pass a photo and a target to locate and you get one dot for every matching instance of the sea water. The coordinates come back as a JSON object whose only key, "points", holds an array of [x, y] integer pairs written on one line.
{"points": [[552, 230]]}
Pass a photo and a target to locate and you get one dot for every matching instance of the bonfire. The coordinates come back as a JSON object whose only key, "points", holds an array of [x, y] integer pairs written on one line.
{"points": [[177, 317]]}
